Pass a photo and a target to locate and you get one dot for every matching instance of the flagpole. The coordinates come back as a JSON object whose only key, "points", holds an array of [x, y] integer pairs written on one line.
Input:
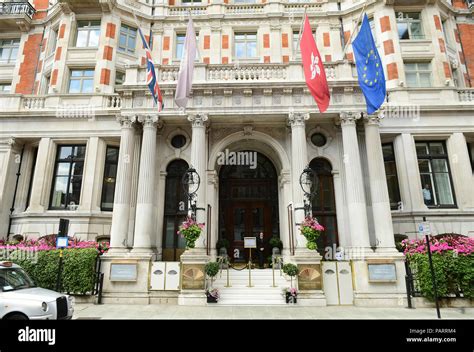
{"points": [[354, 29], [301, 26], [197, 46]]}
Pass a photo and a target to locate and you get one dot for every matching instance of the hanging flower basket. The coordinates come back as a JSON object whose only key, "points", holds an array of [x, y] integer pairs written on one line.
{"points": [[190, 230], [311, 229]]}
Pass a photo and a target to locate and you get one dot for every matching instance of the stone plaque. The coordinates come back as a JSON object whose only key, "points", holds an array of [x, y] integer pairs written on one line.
{"points": [[193, 277], [123, 271], [309, 277], [383, 272]]}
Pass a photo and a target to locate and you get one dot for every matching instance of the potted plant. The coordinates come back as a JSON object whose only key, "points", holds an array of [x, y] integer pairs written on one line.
{"points": [[311, 229], [223, 243], [291, 295], [291, 270], [212, 269], [212, 295], [275, 242], [190, 230]]}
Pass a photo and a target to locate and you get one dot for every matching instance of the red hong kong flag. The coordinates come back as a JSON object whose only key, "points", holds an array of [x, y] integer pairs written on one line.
{"points": [[314, 68]]}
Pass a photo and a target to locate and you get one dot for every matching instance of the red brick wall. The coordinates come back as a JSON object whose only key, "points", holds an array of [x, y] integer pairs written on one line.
{"points": [[40, 6], [392, 70], [284, 40], [460, 4], [466, 35], [28, 66], [385, 24]]}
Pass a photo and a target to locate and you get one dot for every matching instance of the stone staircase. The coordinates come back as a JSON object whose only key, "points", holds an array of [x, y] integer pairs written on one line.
{"points": [[262, 292]]}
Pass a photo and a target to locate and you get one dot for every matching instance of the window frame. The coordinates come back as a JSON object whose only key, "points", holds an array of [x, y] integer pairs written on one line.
{"points": [[390, 159], [409, 22], [5, 85], [89, 28], [128, 34], [71, 161], [10, 46], [246, 41], [53, 40], [177, 43], [430, 157], [109, 162], [418, 72], [81, 79]]}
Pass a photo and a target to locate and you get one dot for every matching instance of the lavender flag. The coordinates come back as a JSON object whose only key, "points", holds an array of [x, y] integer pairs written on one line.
{"points": [[186, 69]]}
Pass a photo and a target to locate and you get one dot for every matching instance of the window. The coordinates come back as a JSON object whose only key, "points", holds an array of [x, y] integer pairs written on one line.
{"points": [[9, 50], [435, 174], [447, 37], [296, 50], [82, 81], [319, 139], [179, 45], [418, 74], [119, 78], [67, 181], [245, 45], [178, 141], [5, 88], [391, 175], [110, 177], [53, 40], [409, 25], [128, 39], [470, 150], [88, 33]]}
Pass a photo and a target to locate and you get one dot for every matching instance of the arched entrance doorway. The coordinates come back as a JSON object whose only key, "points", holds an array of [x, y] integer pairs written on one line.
{"points": [[248, 204], [324, 205], [176, 209]]}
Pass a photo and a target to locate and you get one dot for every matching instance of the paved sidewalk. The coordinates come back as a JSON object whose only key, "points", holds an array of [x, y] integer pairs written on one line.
{"points": [[119, 311]]}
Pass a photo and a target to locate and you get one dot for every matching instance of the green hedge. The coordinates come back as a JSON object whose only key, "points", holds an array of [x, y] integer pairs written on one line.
{"points": [[454, 274], [78, 275]]}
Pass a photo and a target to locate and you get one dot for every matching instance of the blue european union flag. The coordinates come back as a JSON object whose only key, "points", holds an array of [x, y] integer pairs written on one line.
{"points": [[369, 68]]}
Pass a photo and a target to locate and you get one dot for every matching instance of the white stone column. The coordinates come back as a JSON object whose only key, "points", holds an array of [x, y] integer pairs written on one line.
{"points": [[461, 170], [378, 186], [299, 161], [410, 166], [121, 214], [198, 161], [144, 224], [356, 205]]}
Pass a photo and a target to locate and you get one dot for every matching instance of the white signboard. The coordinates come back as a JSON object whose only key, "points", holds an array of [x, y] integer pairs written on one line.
{"points": [[250, 242], [61, 242], [424, 228], [382, 272]]}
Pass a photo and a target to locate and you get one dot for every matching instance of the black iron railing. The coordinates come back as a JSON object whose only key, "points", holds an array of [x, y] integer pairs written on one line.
{"points": [[17, 8]]}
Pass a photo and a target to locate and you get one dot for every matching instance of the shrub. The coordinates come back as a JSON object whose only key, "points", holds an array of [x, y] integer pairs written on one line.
{"points": [[222, 243], [212, 269], [453, 262], [275, 242], [290, 269], [78, 273]]}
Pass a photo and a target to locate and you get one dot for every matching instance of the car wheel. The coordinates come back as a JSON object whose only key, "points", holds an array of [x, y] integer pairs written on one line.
{"points": [[17, 317]]}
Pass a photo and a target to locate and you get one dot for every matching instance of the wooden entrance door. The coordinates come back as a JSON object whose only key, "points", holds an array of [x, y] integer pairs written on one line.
{"points": [[247, 219]]}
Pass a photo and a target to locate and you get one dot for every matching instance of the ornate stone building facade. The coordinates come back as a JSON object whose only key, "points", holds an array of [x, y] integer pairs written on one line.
{"points": [[80, 138]]}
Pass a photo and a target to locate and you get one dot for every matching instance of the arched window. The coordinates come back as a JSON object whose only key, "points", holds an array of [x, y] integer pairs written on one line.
{"points": [[324, 205], [176, 208]]}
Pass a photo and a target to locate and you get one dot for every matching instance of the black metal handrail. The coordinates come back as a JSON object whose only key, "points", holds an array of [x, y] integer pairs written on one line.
{"points": [[17, 8]]}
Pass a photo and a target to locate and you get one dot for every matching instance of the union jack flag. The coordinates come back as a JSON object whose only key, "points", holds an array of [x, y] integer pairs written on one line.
{"points": [[151, 80]]}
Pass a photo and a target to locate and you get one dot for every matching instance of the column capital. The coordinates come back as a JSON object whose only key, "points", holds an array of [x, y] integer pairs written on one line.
{"points": [[297, 118], [149, 120], [349, 117], [375, 119], [126, 121], [198, 120]]}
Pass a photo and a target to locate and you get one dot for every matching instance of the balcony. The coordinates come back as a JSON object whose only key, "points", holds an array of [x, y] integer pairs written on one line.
{"points": [[84, 6], [15, 15]]}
